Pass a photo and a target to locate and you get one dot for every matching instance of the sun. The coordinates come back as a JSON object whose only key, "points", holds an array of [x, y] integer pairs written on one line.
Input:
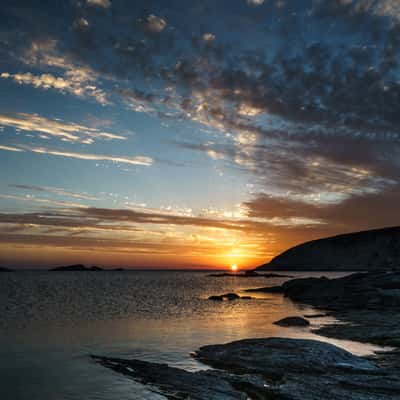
{"points": [[234, 267]]}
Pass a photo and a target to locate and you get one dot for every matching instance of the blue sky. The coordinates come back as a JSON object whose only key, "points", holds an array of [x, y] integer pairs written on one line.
{"points": [[194, 134]]}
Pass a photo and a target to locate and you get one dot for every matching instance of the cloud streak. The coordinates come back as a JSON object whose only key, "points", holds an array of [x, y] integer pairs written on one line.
{"points": [[138, 160], [66, 131]]}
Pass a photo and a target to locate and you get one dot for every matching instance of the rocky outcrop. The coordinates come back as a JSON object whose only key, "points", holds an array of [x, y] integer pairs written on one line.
{"points": [[272, 368], [369, 302], [292, 321], [228, 296], [362, 251]]}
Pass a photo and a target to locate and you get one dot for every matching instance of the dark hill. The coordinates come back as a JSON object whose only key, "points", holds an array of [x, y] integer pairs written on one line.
{"points": [[372, 250]]}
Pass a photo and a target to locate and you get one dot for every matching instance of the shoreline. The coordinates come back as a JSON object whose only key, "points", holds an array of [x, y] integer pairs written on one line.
{"points": [[297, 369]]}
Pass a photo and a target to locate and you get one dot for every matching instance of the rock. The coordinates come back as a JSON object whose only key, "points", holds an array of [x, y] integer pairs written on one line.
{"points": [[390, 297], [360, 251], [175, 383], [76, 268], [272, 368], [368, 302], [231, 296], [94, 268], [278, 356], [292, 321], [228, 296], [268, 289], [276, 276], [216, 298], [315, 315]]}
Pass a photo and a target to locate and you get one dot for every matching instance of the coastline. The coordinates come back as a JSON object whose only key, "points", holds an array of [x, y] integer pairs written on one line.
{"points": [[248, 368]]}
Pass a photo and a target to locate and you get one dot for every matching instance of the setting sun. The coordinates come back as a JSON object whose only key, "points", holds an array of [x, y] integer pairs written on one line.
{"points": [[234, 267]]}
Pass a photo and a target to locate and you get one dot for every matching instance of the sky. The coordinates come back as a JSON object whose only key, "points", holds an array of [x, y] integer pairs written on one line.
{"points": [[194, 134]]}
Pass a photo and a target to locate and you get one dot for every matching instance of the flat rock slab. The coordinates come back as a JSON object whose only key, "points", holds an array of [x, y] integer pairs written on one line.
{"points": [[272, 368]]}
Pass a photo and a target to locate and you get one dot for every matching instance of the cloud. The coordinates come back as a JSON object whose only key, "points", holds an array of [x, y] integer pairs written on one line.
{"points": [[138, 160], [81, 24], [99, 3], [352, 213], [53, 190], [10, 148], [155, 24], [208, 37], [62, 84], [57, 128], [255, 2]]}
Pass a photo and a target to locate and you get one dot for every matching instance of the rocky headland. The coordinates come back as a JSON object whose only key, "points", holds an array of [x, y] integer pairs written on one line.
{"points": [[372, 250]]}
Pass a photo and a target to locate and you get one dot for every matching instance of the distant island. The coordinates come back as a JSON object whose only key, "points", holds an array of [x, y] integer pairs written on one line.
{"points": [[4, 269], [249, 274], [83, 268], [371, 250], [76, 267]]}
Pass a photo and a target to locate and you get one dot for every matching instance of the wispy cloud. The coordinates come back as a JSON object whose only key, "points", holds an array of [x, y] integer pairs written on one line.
{"points": [[138, 160], [58, 128], [10, 148], [54, 190]]}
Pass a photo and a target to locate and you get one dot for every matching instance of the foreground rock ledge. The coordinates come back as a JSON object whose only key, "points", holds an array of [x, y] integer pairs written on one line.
{"points": [[272, 368]]}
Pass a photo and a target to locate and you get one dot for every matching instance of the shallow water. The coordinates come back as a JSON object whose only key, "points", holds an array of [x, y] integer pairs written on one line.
{"points": [[51, 321]]}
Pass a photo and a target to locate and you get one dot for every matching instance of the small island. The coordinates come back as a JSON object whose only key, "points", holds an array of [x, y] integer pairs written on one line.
{"points": [[4, 269], [76, 268], [249, 274]]}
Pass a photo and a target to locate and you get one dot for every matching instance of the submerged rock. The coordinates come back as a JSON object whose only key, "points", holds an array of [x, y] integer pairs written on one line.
{"points": [[292, 321], [272, 368]]}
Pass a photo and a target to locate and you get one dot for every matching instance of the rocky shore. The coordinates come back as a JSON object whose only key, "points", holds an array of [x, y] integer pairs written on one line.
{"points": [[369, 304], [297, 369]]}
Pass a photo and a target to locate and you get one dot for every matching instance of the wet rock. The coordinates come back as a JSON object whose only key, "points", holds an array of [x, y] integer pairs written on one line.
{"points": [[226, 296], [216, 298], [368, 302], [315, 315], [272, 368], [175, 383], [292, 321], [274, 357]]}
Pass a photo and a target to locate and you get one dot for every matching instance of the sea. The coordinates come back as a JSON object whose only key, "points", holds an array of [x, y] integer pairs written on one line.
{"points": [[51, 322]]}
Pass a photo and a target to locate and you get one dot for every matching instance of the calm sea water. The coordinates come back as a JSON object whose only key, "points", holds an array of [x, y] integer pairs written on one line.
{"points": [[50, 322]]}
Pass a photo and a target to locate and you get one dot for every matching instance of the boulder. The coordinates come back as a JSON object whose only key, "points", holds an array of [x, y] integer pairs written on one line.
{"points": [[292, 321]]}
